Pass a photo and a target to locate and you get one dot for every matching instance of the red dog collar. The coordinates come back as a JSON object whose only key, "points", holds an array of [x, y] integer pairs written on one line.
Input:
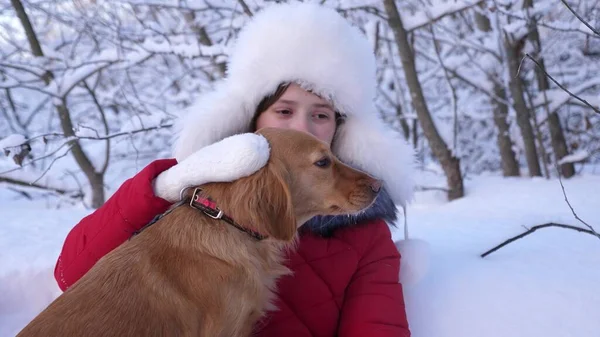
{"points": [[210, 208]]}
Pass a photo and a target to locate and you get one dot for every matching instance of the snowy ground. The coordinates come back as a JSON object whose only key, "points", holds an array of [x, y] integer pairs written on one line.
{"points": [[545, 284]]}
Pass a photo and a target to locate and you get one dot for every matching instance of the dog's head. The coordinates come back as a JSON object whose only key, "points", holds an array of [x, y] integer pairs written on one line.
{"points": [[303, 179]]}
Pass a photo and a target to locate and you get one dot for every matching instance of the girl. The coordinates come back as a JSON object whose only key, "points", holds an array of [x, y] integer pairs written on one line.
{"points": [[303, 67]]}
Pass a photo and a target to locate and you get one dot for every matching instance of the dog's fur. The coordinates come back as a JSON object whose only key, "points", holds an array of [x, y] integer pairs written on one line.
{"points": [[190, 275]]}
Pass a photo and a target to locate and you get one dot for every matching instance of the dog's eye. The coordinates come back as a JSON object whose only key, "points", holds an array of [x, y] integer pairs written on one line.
{"points": [[325, 162]]}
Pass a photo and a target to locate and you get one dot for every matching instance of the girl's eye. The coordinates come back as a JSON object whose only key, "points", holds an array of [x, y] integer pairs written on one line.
{"points": [[322, 116], [284, 111]]}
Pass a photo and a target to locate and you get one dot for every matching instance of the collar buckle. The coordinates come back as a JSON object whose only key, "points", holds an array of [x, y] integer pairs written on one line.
{"points": [[205, 205]]}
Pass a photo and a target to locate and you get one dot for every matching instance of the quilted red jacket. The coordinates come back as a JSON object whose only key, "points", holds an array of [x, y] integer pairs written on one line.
{"points": [[345, 283]]}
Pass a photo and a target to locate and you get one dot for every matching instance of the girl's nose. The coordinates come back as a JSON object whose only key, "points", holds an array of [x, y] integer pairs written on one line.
{"points": [[301, 123]]}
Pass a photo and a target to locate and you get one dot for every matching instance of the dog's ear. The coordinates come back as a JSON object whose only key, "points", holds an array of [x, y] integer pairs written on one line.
{"points": [[261, 201], [273, 202]]}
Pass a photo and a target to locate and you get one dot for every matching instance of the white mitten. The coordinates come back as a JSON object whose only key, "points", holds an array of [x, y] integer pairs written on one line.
{"points": [[227, 160]]}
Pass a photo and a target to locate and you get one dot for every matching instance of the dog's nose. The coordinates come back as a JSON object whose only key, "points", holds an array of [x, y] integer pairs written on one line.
{"points": [[376, 186]]}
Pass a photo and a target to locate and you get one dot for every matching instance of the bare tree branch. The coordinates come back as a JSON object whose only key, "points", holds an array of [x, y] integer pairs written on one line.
{"points": [[109, 136], [52, 163], [542, 24], [104, 123], [562, 87], [571, 207], [368, 9], [75, 193], [245, 7], [451, 87], [431, 19], [37, 159], [13, 109], [476, 86], [580, 18], [72, 175], [22, 68], [188, 7], [203, 38]]}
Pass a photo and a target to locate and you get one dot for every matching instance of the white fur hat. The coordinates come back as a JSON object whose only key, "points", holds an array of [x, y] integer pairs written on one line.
{"points": [[318, 49]]}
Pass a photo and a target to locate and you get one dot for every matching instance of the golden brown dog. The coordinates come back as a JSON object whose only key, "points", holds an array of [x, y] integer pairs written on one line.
{"points": [[190, 274]]}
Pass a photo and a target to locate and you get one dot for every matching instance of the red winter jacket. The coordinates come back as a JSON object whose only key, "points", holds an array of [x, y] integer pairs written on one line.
{"points": [[343, 285]]}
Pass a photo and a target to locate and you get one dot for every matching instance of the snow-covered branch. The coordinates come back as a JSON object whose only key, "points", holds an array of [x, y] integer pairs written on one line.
{"points": [[436, 12], [595, 31], [558, 101], [26, 183]]}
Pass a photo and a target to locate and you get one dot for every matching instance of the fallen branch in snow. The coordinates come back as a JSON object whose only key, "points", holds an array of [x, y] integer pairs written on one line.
{"points": [[571, 207], [590, 231], [560, 86], [535, 228], [580, 18]]}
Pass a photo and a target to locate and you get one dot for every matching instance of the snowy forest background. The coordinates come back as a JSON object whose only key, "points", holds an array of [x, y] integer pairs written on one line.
{"points": [[499, 98], [88, 86]]}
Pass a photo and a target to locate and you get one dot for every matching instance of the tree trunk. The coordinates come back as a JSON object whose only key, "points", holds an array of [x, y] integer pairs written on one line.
{"points": [[557, 137], [415, 129], [95, 179], [540, 139], [513, 52], [403, 123], [559, 144], [510, 165], [449, 162]]}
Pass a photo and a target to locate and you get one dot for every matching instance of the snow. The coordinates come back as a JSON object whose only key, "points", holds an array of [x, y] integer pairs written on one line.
{"points": [[184, 50], [30, 240], [80, 72], [12, 140], [542, 285], [578, 156]]}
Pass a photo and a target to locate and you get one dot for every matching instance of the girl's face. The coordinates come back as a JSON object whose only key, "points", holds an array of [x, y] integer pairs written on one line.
{"points": [[300, 110]]}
